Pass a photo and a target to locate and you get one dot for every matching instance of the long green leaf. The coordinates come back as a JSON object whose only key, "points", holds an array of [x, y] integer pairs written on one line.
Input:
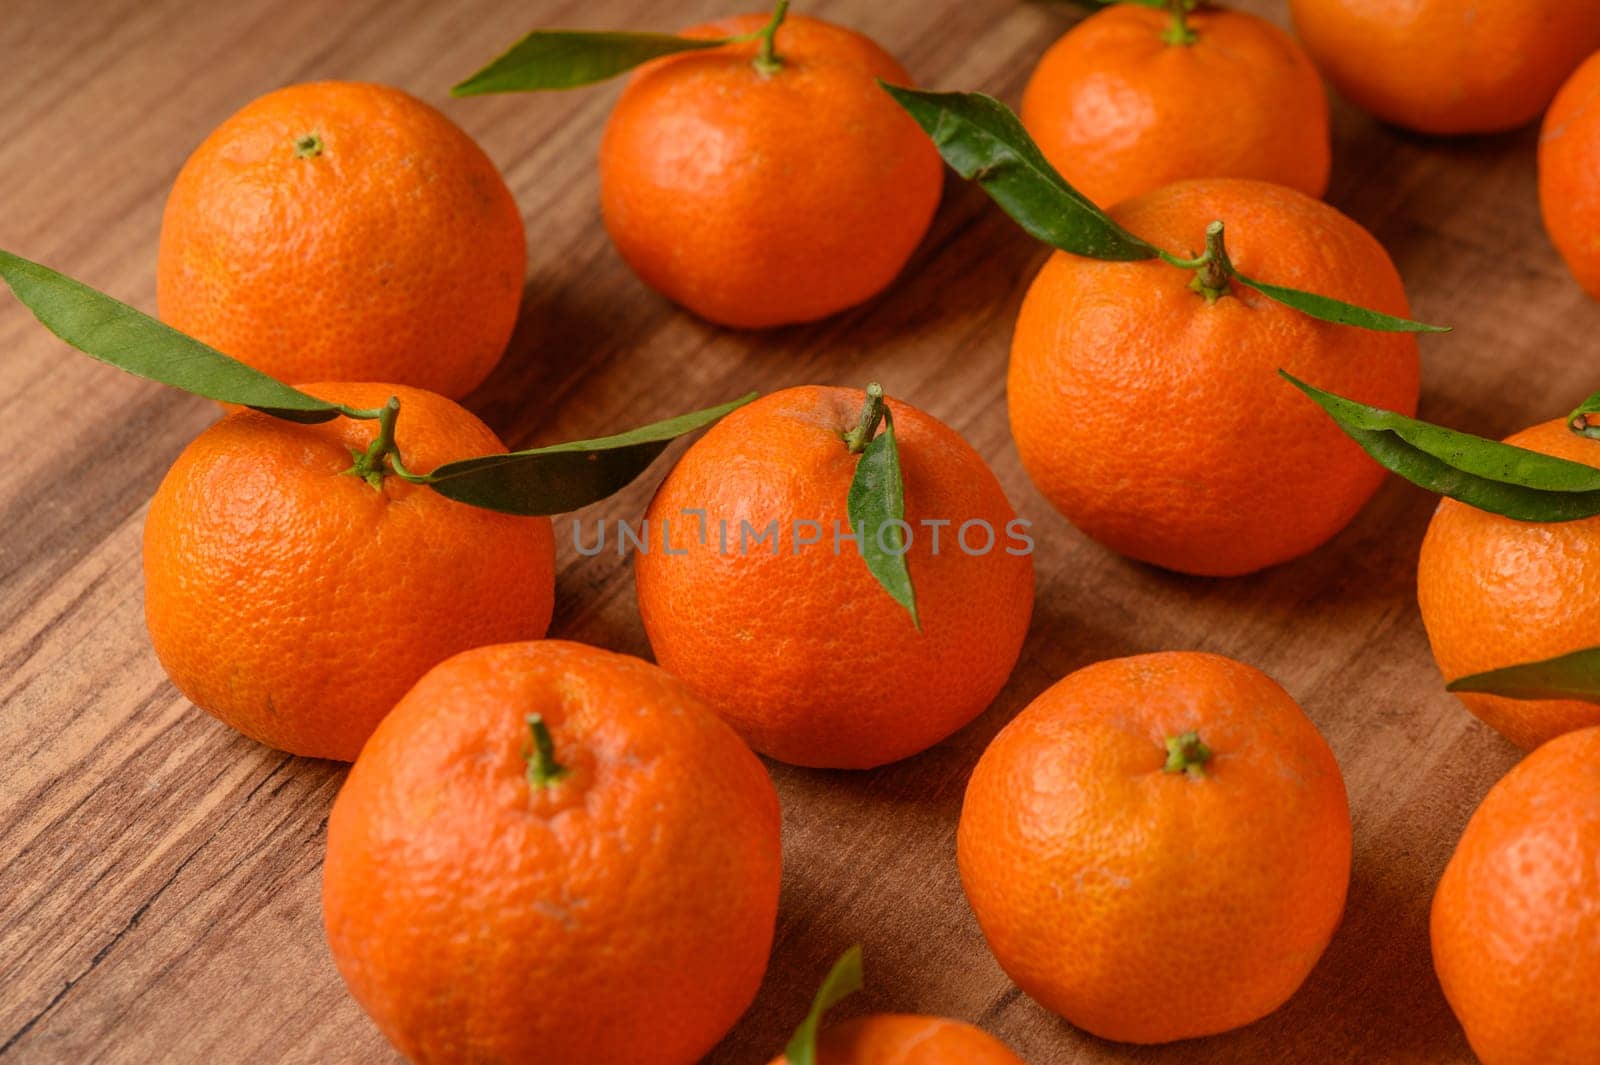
{"points": [[843, 980], [1569, 676], [1500, 478], [565, 477], [548, 480], [877, 508], [566, 59], [115, 333], [984, 142], [1329, 309]]}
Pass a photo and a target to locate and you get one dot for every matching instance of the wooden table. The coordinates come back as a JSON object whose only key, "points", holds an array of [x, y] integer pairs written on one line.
{"points": [[159, 874]]}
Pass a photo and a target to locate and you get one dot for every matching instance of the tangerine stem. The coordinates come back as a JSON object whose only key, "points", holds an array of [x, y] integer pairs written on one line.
{"points": [[1213, 269], [858, 438], [543, 769], [1186, 754], [368, 464], [1178, 31], [766, 63]]}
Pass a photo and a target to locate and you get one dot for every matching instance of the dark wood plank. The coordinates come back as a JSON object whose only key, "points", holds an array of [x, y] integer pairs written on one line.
{"points": [[159, 875]]}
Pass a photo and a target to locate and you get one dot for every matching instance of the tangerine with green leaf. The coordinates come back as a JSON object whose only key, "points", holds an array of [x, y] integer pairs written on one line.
{"points": [[338, 231], [1145, 399], [1157, 847], [300, 571], [1497, 592], [1516, 917], [885, 1038], [768, 181], [1505, 567], [1448, 66], [1134, 98], [550, 852], [295, 587], [822, 651]]}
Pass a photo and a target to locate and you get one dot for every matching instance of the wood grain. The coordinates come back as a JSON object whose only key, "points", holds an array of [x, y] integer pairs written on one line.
{"points": [[159, 874]]}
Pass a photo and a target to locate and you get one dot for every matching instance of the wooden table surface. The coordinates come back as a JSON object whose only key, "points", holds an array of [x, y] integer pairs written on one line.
{"points": [[159, 874]]}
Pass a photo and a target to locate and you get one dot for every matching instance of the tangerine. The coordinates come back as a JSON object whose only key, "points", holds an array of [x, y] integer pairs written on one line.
{"points": [[1157, 847], [1569, 173], [788, 636], [1149, 409], [552, 852], [760, 195], [1516, 917], [1498, 592], [908, 1039], [1448, 66], [297, 603], [1129, 100], [339, 231]]}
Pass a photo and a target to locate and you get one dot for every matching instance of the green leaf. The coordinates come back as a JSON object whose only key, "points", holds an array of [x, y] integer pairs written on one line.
{"points": [[1328, 309], [547, 480], [843, 980], [1500, 478], [566, 59], [565, 477], [984, 142], [115, 333], [1569, 676], [877, 498]]}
